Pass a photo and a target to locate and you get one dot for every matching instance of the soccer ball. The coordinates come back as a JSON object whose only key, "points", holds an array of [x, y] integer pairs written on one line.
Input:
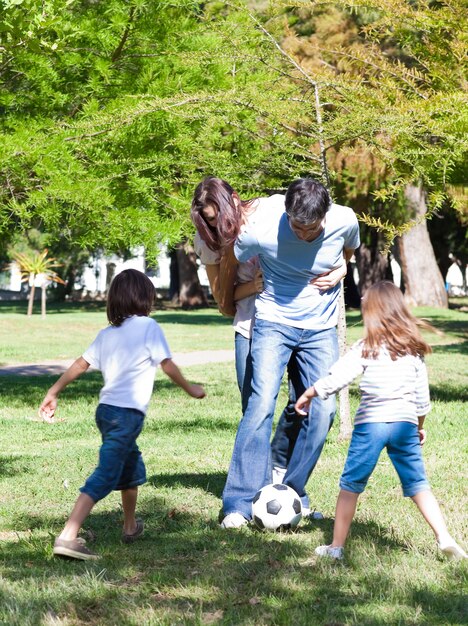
{"points": [[276, 507]]}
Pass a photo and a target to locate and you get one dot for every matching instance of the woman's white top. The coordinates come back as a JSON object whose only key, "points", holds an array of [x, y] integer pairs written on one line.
{"points": [[245, 308], [391, 391]]}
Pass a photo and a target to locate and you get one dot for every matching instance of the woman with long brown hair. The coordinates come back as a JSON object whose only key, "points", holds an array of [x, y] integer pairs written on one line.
{"points": [[219, 214]]}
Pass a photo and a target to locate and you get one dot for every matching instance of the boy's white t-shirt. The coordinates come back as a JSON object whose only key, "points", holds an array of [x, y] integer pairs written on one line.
{"points": [[128, 356], [245, 308]]}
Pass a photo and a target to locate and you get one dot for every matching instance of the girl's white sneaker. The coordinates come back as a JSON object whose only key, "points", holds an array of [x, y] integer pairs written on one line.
{"points": [[451, 548], [333, 553]]}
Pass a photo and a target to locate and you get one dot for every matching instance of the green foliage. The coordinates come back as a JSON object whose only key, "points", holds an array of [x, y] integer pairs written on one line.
{"points": [[113, 111]]}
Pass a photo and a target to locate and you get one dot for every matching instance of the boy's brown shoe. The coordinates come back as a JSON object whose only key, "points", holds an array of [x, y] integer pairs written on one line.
{"points": [[140, 527], [74, 549]]}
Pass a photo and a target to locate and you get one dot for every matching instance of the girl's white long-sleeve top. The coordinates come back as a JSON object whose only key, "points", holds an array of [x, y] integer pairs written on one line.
{"points": [[391, 391]]}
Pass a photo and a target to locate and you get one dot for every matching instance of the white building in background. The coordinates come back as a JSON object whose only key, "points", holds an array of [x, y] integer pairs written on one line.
{"points": [[98, 274], [101, 269], [14, 283]]}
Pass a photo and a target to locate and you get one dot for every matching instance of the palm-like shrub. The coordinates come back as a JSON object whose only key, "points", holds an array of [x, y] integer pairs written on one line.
{"points": [[38, 270]]}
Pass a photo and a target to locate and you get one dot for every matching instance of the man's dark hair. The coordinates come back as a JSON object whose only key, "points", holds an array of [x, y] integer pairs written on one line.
{"points": [[307, 201], [131, 293]]}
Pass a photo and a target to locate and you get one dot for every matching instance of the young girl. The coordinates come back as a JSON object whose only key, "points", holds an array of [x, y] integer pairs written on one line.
{"points": [[127, 353], [394, 402]]}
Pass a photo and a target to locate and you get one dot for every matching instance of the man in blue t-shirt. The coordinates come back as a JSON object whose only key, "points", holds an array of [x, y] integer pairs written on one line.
{"points": [[301, 255]]}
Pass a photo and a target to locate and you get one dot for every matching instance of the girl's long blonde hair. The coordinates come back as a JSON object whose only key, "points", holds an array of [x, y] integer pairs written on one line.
{"points": [[388, 322]]}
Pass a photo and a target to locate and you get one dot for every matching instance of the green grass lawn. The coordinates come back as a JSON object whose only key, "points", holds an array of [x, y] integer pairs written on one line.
{"points": [[186, 570]]}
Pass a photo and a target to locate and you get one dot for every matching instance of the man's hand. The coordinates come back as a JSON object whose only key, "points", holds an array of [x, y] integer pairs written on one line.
{"points": [[328, 280], [258, 281]]}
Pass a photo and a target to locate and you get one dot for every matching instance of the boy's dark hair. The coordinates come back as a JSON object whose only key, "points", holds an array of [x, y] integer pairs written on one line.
{"points": [[131, 293], [307, 201]]}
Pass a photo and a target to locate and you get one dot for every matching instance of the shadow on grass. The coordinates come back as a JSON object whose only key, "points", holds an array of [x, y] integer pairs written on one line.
{"points": [[30, 390], [453, 348], [453, 327], [166, 314], [211, 483], [187, 570], [52, 307], [446, 392], [13, 465], [193, 318]]}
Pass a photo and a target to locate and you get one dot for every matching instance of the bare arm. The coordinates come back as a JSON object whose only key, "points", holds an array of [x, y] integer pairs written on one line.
{"points": [[227, 282], [170, 369], [212, 271], [329, 279], [251, 288], [303, 402], [421, 431], [49, 404], [348, 254]]}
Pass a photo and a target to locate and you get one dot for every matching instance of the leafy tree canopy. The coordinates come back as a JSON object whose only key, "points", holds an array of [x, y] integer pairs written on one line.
{"points": [[114, 110]]}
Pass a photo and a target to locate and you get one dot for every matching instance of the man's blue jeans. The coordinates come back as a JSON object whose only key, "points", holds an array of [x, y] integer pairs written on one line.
{"points": [[250, 469], [289, 423]]}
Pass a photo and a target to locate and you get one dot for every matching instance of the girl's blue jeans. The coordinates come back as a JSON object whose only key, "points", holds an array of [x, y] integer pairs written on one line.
{"points": [[404, 449], [120, 462]]}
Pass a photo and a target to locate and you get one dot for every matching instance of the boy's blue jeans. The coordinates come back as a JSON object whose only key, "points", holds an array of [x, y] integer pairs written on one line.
{"points": [[404, 449], [250, 469], [120, 462]]}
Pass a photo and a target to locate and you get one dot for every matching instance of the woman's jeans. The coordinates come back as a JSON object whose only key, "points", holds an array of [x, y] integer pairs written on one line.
{"points": [[250, 469], [289, 424]]}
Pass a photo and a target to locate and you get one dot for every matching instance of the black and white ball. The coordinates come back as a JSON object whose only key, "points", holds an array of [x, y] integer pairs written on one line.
{"points": [[276, 507]]}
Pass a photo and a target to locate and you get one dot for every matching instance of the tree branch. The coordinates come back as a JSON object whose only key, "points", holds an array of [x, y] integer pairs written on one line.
{"points": [[118, 51]]}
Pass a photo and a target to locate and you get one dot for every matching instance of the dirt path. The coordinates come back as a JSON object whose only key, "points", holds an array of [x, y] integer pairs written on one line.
{"points": [[183, 359]]}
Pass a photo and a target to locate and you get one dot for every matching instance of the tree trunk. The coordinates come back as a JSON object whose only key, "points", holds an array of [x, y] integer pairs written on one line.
{"points": [[372, 264], [43, 302], [345, 413], [31, 294], [423, 282], [352, 296], [191, 294]]}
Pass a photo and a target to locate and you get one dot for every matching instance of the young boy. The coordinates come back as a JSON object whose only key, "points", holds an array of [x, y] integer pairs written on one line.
{"points": [[127, 353]]}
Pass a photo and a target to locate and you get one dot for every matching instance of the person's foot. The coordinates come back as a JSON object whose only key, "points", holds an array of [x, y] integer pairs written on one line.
{"points": [[138, 532], [277, 475], [74, 549], [233, 520], [331, 552], [308, 514], [451, 549]]}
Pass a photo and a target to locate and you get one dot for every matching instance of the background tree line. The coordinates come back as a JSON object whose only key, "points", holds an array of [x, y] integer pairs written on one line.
{"points": [[113, 110]]}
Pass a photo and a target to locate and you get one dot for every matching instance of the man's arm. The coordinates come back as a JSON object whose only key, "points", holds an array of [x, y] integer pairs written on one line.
{"points": [[329, 279]]}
